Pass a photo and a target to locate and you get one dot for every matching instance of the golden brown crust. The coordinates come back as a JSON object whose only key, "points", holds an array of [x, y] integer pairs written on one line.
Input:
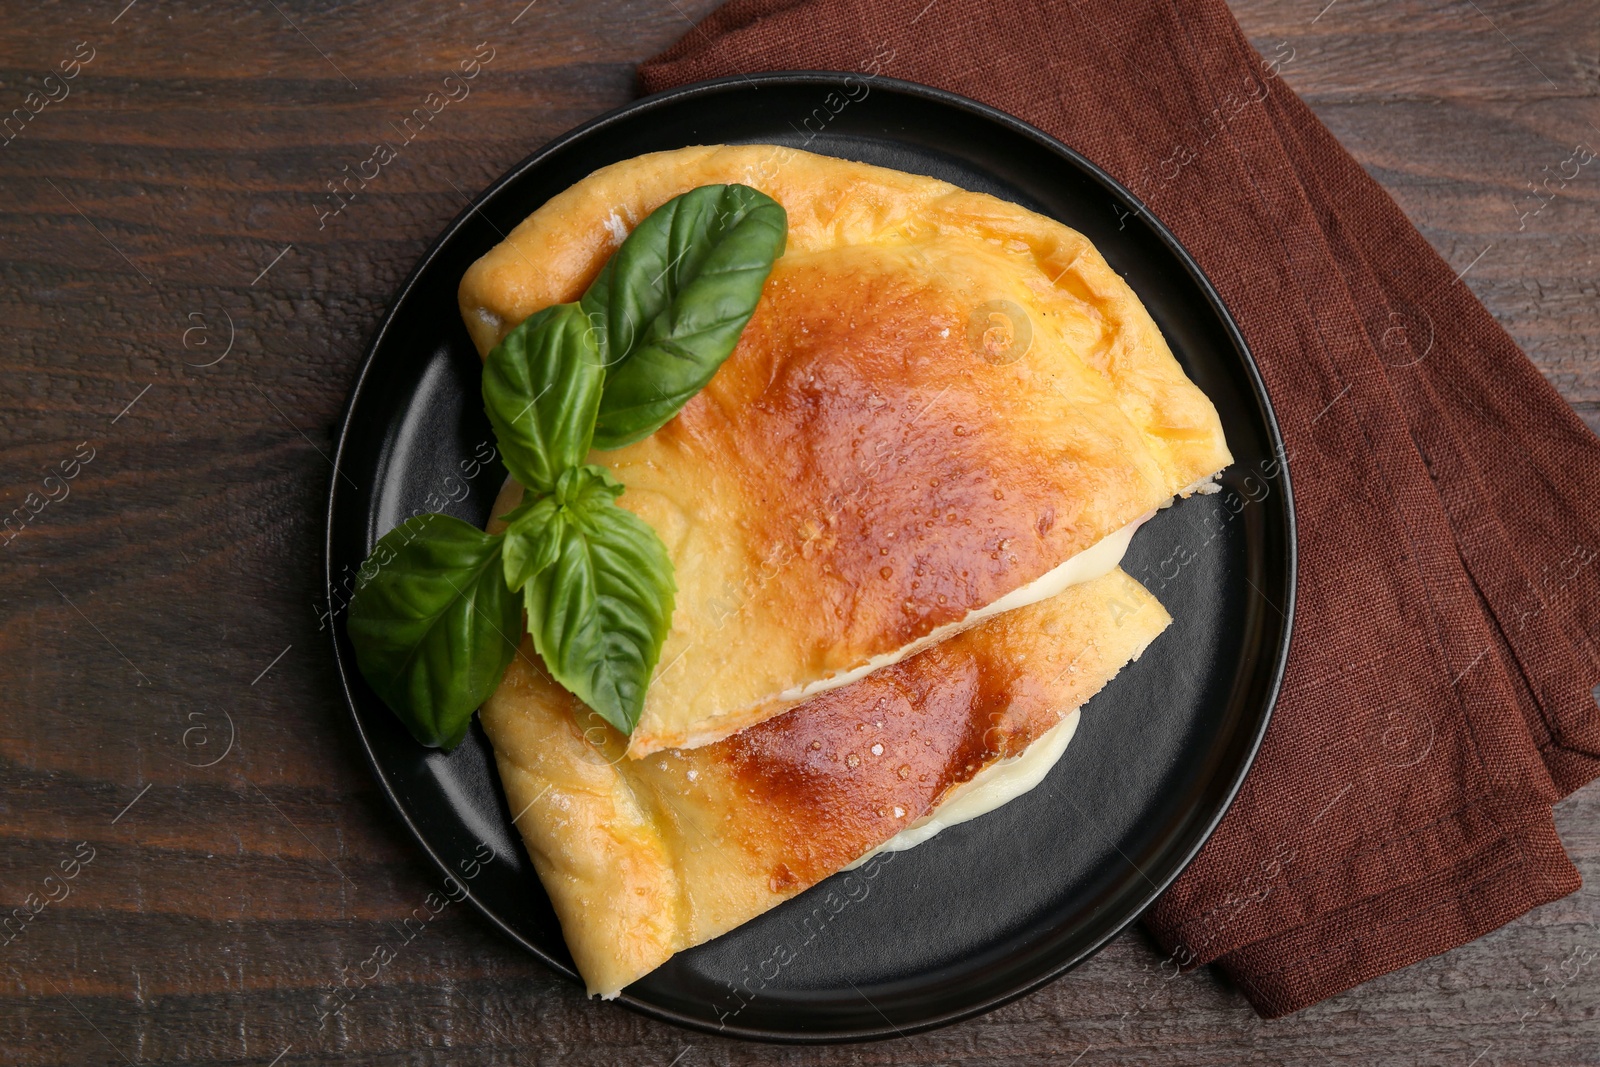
{"points": [[858, 475], [644, 858]]}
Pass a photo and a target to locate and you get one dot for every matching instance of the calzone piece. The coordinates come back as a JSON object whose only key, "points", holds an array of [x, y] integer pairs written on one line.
{"points": [[643, 858], [941, 400]]}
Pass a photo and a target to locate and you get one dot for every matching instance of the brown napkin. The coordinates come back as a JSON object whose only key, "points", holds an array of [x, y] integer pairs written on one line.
{"points": [[1438, 694]]}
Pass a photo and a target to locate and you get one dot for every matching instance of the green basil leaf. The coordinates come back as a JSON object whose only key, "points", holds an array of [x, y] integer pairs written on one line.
{"points": [[434, 625], [600, 612], [530, 544], [541, 389], [671, 302]]}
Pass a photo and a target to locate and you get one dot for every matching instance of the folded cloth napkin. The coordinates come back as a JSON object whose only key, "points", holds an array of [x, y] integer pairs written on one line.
{"points": [[1438, 697]]}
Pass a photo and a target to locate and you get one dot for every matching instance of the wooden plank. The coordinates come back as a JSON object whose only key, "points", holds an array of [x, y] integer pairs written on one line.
{"points": [[180, 186]]}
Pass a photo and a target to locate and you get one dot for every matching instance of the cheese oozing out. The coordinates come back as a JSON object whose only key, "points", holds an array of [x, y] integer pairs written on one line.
{"points": [[1097, 560], [989, 790]]}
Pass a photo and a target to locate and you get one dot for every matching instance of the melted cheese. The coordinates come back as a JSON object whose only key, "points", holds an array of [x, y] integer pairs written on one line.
{"points": [[1099, 559], [989, 790]]}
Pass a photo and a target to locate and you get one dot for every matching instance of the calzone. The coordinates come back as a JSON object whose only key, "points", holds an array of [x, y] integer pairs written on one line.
{"points": [[941, 402], [643, 858]]}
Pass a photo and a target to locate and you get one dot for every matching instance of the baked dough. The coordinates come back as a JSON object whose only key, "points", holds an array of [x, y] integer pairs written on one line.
{"points": [[645, 858], [941, 398]]}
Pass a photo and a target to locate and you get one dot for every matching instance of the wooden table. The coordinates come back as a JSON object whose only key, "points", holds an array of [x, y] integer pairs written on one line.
{"points": [[171, 197]]}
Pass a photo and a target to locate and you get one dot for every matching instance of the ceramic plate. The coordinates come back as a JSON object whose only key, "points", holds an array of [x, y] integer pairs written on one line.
{"points": [[990, 909]]}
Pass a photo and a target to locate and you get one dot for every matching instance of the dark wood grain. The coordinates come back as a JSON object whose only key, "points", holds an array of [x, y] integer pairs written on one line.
{"points": [[169, 602]]}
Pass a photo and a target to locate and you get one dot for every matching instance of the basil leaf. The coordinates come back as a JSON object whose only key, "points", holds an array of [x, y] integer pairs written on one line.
{"points": [[670, 304], [541, 389], [530, 547], [434, 625], [599, 612]]}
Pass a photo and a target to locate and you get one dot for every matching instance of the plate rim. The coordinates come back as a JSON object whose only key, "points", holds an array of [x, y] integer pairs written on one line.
{"points": [[835, 80]]}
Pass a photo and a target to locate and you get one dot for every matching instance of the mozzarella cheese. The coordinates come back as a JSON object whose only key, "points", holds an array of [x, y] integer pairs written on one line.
{"points": [[992, 789]]}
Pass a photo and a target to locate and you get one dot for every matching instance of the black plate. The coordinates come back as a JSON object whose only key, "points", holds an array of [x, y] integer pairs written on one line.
{"points": [[991, 909]]}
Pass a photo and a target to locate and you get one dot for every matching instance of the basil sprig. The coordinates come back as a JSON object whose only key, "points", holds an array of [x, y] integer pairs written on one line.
{"points": [[436, 618]]}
